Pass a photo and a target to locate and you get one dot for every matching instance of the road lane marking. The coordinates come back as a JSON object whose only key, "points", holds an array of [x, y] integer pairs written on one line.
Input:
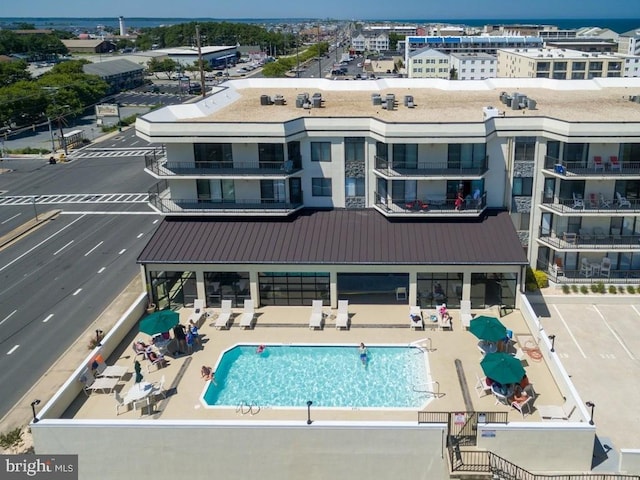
{"points": [[48, 318], [15, 347], [89, 252], [569, 331], [635, 309], [11, 218], [7, 317], [41, 243], [617, 337], [102, 269], [122, 251], [76, 292], [139, 235], [155, 221], [58, 251]]}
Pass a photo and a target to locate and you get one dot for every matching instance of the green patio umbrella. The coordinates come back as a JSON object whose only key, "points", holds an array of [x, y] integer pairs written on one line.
{"points": [[488, 328], [159, 322], [502, 367]]}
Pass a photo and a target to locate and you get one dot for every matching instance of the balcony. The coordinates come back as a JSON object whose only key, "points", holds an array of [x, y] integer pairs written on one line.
{"points": [[160, 200], [439, 170], [564, 276], [591, 206], [161, 167], [572, 242], [579, 170], [429, 207]]}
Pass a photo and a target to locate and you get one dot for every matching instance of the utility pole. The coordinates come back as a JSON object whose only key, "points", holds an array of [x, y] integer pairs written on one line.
{"points": [[319, 62], [63, 141], [200, 66], [53, 144], [297, 58]]}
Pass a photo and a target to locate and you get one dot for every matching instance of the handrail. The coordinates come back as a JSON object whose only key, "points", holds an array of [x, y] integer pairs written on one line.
{"points": [[435, 393]]}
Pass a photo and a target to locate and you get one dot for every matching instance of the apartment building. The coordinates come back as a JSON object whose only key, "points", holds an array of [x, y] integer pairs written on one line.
{"points": [[629, 42], [376, 42], [428, 63], [558, 64], [473, 66]]}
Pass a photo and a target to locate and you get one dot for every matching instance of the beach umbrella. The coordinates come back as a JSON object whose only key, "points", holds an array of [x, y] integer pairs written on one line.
{"points": [[488, 328], [159, 322], [502, 367]]}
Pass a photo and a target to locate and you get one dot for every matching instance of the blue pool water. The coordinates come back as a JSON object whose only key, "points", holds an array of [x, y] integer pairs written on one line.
{"points": [[330, 376]]}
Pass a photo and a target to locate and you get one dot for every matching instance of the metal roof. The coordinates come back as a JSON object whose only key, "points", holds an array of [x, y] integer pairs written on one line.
{"points": [[355, 237], [111, 67]]}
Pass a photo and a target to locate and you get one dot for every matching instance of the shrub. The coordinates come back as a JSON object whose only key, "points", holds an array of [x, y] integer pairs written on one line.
{"points": [[613, 289], [531, 287], [574, 288], [600, 288], [620, 289], [541, 278], [30, 151], [631, 289], [566, 288], [11, 439], [583, 289], [595, 288]]}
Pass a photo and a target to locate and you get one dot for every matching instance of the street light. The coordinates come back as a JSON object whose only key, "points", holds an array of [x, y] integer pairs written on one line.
{"points": [[553, 342], [33, 409], [98, 337], [309, 403], [592, 406]]}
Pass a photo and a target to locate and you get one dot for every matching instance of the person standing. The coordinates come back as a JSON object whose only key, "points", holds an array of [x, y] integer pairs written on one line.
{"points": [[193, 328], [363, 353], [180, 335]]}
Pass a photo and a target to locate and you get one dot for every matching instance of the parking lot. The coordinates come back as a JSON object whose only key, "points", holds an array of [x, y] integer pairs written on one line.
{"points": [[599, 345]]}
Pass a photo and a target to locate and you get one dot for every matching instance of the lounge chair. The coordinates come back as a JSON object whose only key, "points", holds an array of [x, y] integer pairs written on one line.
{"points": [[342, 318], [247, 315], [159, 361], [158, 388], [465, 314], [415, 317], [315, 320], [224, 316], [198, 312], [597, 164], [614, 164], [622, 201]]}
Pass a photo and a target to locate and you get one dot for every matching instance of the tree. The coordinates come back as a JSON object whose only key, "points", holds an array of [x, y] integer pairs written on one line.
{"points": [[12, 72], [167, 66], [393, 40], [453, 74]]}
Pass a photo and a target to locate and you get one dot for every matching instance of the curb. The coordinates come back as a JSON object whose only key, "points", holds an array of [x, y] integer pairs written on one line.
{"points": [[27, 227]]}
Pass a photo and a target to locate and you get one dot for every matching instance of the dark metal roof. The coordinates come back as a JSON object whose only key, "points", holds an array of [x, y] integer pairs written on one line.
{"points": [[336, 237]]}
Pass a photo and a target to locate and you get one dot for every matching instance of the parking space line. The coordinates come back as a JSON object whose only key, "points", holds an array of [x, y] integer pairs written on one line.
{"points": [[604, 320], [635, 309], [569, 331]]}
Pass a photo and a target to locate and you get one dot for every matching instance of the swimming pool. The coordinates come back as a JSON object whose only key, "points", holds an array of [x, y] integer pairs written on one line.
{"points": [[331, 376]]}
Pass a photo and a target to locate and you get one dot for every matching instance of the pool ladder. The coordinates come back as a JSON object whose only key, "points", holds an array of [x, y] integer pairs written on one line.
{"points": [[244, 408], [428, 388]]}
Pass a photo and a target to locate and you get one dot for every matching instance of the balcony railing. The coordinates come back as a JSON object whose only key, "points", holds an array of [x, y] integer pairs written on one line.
{"points": [[590, 204], [439, 169], [246, 206], [434, 206], [572, 241], [588, 168], [162, 167], [577, 276]]}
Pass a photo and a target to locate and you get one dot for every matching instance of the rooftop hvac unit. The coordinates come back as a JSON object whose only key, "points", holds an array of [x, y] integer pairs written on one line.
{"points": [[376, 100], [408, 99], [531, 104], [317, 102], [265, 100]]}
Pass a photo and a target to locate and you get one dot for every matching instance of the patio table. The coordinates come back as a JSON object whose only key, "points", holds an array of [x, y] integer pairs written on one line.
{"points": [[138, 392]]}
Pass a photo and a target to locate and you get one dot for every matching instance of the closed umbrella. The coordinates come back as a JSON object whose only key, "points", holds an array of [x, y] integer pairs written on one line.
{"points": [[488, 328], [159, 322], [502, 367], [138, 369]]}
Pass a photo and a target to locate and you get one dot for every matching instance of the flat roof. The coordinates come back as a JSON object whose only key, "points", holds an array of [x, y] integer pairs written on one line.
{"points": [[346, 237], [564, 53], [194, 50], [436, 100]]}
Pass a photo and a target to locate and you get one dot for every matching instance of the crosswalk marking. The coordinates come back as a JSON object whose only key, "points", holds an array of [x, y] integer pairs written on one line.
{"points": [[110, 153], [75, 198]]}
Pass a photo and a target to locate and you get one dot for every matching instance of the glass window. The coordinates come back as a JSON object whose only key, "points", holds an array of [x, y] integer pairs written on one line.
{"points": [[212, 152], [525, 149], [522, 187], [405, 155], [595, 66], [321, 187], [354, 149], [579, 65], [320, 151], [271, 152], [293, 288], [559, 66], [438, 288], [354, 187]]}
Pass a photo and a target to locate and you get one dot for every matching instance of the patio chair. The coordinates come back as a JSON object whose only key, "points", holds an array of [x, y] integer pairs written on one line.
{"points": [[500, 398], [622, 201], [415, 317], [465, 313], [578, 202], [342, 318], [87, 379], [198, 312], [224, 316], [614, 164], [159, 361], [401, 293], [482, 389], [248, 313], [585, 235], [315, 320], [597, 164], [137, 350], [119, 402], [158, 388], [603, 202], [585, 268], [599, 233], [605, 267], [524, 405]]}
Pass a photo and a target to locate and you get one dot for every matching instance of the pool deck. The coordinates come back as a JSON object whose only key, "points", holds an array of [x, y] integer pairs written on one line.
{"points": [[371, 324]]}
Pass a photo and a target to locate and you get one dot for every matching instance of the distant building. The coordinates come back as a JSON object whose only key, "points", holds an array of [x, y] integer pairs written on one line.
{"points": [[584, 44], [215, 56], [556, 63], [362, 42], [629, 42], [88, 46], [474, 66], [390, 28], [631, 66], [120, 74], [123, 30], [428, 63]]}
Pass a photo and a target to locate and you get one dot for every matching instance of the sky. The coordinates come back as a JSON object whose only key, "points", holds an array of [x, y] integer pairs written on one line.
{"points": [[337, 9]]}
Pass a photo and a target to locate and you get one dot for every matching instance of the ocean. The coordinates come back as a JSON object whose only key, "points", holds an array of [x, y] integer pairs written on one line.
{"points": [[89, 24]]}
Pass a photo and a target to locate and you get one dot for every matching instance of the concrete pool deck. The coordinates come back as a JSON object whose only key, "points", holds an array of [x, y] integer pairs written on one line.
{"points": [[371, 324]]}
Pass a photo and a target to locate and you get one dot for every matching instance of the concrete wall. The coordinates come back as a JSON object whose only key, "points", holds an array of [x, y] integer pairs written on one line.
{"points": [[629, 461], [244, 450]]}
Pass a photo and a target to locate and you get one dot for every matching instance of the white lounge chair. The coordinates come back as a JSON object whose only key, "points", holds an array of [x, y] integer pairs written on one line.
{"points": [[315, 320], [247, 315], [465, 314], [342, 318], [224, 316], [119, 402], [415, 317], [622, 201], [198, 312]]}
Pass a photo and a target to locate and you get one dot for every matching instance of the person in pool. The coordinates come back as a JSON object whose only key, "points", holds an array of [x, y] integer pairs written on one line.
{"points": [[363, 353], [260, 349]]}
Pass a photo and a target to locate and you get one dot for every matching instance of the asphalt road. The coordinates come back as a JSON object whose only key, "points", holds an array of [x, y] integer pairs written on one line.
{"points": [[57, 280]]}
